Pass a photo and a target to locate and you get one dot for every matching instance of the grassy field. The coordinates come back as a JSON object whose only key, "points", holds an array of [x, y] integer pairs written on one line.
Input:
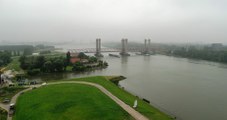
{"points": [[9, 92], [3, 114], [14, 64], [54, 54], [68, 102], [143, 107]]}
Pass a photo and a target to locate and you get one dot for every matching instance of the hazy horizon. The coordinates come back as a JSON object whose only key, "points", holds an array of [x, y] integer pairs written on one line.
{"points": [[175, 21]]}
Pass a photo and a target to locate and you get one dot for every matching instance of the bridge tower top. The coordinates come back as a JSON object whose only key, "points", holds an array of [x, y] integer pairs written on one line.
{"points": [[124, 48], [147, 45], [98, 48]]}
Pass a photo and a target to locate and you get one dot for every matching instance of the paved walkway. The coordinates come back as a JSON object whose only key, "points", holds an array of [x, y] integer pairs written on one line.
{"points": [[126, 107], [4, 106]]}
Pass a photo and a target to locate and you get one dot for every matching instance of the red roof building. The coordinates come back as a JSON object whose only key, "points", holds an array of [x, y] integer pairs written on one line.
{"points": [[74, 60]]}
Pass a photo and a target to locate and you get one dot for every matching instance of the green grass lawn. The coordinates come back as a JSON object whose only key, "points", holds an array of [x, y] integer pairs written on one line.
{"points": [[14, 64], [68, 102], [54, 54], [3, 114], [9, 92], [143, 107]]}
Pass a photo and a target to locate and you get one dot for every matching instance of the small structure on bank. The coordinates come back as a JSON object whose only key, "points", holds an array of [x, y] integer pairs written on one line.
{"points": [[82, 62], [77, 57], [135, 104], [1, 76]]}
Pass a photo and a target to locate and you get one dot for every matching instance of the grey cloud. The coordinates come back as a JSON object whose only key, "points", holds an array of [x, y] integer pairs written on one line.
{"points": [[66, 20]]}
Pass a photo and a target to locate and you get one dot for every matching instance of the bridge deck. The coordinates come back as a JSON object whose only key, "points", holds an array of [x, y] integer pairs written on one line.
{"points": [[93, 50]]}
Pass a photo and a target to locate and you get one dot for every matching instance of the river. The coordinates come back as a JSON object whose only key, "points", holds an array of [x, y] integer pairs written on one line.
{"points": [[188, 89]]}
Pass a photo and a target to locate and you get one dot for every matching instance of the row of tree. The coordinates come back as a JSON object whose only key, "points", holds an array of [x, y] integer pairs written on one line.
{"points": [[204, 54], [36, 64]]}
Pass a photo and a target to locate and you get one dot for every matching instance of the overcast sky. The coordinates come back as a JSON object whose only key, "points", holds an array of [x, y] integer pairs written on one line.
{"points": [[190, 21]]}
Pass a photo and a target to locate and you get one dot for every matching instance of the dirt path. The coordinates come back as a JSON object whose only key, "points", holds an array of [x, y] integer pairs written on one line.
{"points": [[126, 107], [4, 106]]}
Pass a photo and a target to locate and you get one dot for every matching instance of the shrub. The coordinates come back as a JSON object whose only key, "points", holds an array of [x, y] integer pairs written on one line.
{"points": [[33, 71]]}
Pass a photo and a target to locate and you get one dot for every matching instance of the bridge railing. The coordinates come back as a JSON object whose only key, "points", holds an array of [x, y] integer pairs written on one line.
{"points": [[93, 50]]}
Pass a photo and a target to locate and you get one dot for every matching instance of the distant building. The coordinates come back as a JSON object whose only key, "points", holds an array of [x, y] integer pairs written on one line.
{"points": [[217, 46], [84, 61], [42, 47], [17, 50], [74, 60], [74, 54], [35, 54]]}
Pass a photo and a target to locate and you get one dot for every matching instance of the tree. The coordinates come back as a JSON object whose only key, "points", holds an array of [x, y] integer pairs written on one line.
{"points": [[78, 66], [22, 59], [39, 62], [204, 54], [68, 57], [33, 71], [5, 58], [58, 65], [100, 63], [48, 67], [105, 64], [92, 59], [82, 55], [65, 64]]}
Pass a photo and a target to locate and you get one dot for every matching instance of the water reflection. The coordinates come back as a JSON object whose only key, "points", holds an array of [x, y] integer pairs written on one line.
{"points": [[124, 60], [147, 58]]}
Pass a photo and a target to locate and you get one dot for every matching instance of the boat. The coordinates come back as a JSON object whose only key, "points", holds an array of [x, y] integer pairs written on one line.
{"points": [[114, 55]]}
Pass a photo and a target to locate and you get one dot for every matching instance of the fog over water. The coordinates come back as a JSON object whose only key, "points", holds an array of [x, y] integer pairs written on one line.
{"points": [[187, 21]]}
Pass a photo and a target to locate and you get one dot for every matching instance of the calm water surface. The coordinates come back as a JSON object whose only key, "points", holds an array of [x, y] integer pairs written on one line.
{"points": [[189, 89]]}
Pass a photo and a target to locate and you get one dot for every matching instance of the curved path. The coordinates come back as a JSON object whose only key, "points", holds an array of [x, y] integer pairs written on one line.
{"points": [[4, 106], [126, 107]]}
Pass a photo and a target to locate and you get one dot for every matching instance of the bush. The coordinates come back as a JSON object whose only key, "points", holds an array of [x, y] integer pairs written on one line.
{"points": [[3, 114], [105, 64], [78, 66], [33, 71]]}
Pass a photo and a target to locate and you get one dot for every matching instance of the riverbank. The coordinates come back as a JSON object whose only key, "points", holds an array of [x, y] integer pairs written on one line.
{"points": [[79, 101], [144, 108], [9, 92], [3, 114]]}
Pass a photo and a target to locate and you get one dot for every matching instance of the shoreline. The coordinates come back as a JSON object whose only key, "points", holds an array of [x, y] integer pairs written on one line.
{"points": [[144, 108]]}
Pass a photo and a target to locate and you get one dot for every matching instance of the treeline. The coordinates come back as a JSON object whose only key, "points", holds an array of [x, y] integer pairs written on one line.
{"points": [[5, 58], [37, 64], [40, 64], [205, 54]]}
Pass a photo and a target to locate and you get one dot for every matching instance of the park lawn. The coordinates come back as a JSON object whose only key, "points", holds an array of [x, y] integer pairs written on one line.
{"points": [[3, 114], [68, 102], [9, 92], [69, 68], [54, 54], [144, 108]]}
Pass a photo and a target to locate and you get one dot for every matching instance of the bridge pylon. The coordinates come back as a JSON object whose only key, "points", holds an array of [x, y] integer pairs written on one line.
{"points": [[147, 45], [98, 48], [124, 48]]}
